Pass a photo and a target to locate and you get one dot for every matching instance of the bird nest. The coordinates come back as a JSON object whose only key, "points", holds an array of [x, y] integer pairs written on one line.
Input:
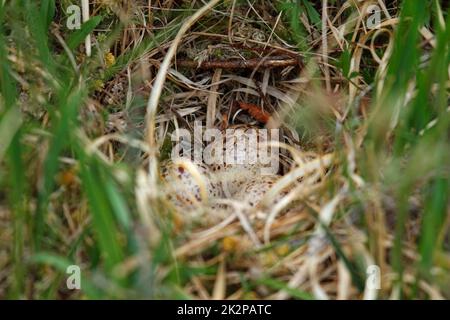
{"points": [[292, 234]]}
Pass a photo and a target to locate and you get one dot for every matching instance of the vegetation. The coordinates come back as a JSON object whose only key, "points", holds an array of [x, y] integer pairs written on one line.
{"points": [[77, 145]]}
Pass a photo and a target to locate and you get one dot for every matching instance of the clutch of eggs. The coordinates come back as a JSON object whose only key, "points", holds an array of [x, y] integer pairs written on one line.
{"points": [[232, 176]]}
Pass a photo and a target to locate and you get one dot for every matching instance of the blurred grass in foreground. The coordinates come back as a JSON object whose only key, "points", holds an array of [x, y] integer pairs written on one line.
{"points": [[406, 151]]}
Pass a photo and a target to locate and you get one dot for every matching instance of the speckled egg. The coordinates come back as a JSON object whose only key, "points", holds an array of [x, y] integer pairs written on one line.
{"points": [[184, 186], [242, 155], [253, 190]]}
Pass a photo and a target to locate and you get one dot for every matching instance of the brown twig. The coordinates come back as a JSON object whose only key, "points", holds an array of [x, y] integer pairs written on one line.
{"points": [[265, 62]]}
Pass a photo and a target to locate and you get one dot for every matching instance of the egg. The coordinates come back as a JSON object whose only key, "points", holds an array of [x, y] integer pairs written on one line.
{"points": [[253, 191], [239, 165], [188, 184], [241, 155]]}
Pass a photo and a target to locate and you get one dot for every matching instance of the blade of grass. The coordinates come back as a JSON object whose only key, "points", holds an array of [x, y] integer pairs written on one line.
{"points": [[61, 264], [78, 37], [60, 139], [433, 220], [37, 24], [10, 123], [357, 278], [102, 215], [47, 11], [280, 285]]}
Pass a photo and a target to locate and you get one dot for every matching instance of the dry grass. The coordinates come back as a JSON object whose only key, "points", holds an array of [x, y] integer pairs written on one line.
{"points": [[321, 79]]}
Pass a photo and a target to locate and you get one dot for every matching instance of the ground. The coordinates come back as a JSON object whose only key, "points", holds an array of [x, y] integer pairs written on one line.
{"points": [[358, 89]]}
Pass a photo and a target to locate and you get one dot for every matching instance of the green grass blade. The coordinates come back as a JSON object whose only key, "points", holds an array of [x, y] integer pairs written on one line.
{"points": [[280, 285], [76, 38], [60, 139], [47, 11], [102, 214]]}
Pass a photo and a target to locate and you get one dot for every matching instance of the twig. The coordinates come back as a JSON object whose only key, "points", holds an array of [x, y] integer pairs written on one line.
{"points": [[267, 62]]}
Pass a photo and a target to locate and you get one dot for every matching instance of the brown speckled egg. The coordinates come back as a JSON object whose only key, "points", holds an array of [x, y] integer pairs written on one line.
{"points": [[241, 160], [253, 191], [183, 188]]}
